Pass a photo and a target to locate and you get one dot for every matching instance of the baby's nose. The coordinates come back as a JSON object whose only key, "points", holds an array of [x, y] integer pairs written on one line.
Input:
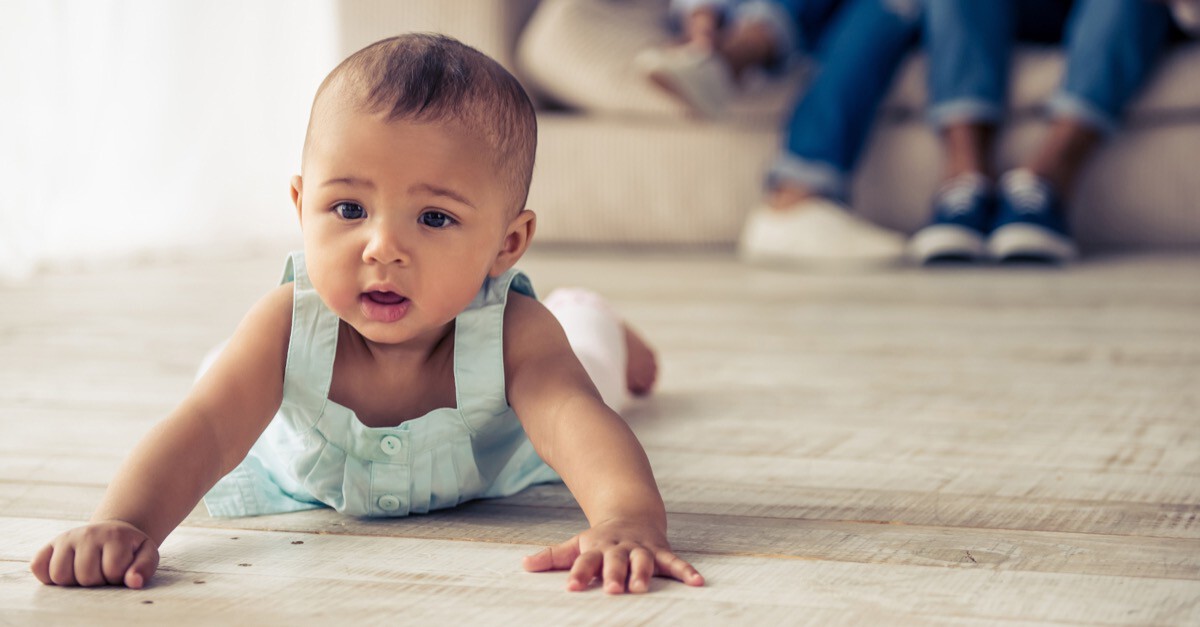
{"points": [[385, 246]]}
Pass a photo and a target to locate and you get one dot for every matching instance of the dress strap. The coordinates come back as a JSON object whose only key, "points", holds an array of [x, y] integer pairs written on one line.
{"points": [[479, 349], [311, 348]]}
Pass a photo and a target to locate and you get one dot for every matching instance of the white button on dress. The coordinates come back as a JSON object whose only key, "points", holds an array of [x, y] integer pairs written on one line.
{"points": [[390, 444]]}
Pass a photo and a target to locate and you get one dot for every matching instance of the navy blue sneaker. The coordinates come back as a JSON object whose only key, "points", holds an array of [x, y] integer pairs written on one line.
{"points": [[1031, 223], [962, 213]]}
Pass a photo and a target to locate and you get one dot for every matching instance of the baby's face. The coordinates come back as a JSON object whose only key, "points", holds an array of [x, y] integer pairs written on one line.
{"points": [[402, 222]]}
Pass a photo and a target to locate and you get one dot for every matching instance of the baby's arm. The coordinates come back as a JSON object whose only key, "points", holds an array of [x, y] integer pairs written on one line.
{"points": [[597, 455], [183, 456]]}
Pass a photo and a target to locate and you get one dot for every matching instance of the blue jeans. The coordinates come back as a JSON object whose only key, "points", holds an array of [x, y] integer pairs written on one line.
{"points": [[857, 46], [1110, 46]]}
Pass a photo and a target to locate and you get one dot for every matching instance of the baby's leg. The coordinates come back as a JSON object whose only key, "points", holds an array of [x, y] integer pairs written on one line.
{"points": [[617, 359], [641, 366]]}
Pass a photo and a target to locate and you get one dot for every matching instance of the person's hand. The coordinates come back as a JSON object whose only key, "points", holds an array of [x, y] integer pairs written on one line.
{"points": [[624, 554], [104, 553], [702, 29]]}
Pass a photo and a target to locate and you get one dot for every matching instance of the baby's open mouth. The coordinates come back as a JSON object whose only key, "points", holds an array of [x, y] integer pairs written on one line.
{"points": [[383, 306], [385, 298]]}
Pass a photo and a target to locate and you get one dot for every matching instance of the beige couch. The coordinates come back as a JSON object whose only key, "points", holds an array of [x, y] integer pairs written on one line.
{"points": [[618, 162]]}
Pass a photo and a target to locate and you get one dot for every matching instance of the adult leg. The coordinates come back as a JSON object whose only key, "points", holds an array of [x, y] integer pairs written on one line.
{"points": [[856, 59], [969, 43], [1111, 47]]}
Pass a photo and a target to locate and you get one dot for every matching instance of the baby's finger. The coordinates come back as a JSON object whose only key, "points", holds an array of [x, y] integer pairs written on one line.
{"points": [[145, 562], [87, 565], [586, 568], [616, 570], [40, 564], [62, 566], [670, 565], [118, 555], [558, 557], [641, 569]]}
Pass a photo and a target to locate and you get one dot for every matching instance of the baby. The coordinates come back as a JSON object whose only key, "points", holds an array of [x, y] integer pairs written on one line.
{"points": [[403, 365]]}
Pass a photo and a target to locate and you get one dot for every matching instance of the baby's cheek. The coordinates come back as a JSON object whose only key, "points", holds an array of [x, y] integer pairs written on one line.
{"points": [[337, 295], [445, 299]]}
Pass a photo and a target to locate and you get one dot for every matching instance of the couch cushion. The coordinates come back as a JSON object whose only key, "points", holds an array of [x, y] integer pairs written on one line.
{"points": [[580, 52]]}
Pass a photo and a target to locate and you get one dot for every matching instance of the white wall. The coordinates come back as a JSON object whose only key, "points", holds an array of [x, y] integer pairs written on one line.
{"points": [[146, 125]]}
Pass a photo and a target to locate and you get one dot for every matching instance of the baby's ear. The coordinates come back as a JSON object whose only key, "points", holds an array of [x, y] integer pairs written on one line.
{"points": [[297, 192], [516, 242]]}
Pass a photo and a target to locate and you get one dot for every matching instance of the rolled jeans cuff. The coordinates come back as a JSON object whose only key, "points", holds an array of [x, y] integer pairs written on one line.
{"points": [[783, 26], [1071, 106], [822, 178], [965, 111]]}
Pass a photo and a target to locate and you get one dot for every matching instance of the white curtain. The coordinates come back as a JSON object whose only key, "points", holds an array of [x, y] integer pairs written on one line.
{"points": [[148, 125]]}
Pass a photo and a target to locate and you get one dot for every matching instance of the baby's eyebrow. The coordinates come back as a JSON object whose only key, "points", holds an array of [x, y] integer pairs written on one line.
{"points": [[440, 191], [417, 188], [349, 180]]}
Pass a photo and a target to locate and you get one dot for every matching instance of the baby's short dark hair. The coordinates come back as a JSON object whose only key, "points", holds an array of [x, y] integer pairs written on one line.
{"points": [[426, 77]]}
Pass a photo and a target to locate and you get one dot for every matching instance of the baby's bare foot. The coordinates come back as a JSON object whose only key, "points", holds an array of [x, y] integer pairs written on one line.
{"points": [[641, 366]]}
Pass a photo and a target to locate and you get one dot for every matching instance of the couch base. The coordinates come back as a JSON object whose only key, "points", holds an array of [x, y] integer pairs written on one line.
{"points": [[653, 180]]}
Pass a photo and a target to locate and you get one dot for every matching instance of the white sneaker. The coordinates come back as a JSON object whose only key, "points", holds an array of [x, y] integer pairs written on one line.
{"points": [[701, 80], [817, 231]]}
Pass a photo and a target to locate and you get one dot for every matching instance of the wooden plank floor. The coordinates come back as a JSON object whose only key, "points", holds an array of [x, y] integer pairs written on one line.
{"points": [[964, 445]]}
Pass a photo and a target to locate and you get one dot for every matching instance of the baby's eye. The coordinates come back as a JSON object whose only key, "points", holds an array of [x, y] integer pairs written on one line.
{"points": [[436, 219], [350, 210]]}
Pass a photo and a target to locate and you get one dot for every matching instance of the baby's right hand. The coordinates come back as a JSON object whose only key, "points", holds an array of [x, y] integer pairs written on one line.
{"points": [[105, 553]]}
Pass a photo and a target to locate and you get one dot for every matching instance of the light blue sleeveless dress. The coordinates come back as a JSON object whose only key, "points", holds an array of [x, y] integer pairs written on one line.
{"points": [[316, 453]]}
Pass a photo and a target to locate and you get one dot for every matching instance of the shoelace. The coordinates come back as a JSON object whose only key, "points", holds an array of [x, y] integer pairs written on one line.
{"points": [[1028, 195], [957, 198]]}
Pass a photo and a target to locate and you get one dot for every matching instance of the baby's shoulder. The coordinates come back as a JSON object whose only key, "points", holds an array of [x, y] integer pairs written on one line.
{"points": [[269, 321], [524, 314], [249, 371], [530, 330], [275, 307]]}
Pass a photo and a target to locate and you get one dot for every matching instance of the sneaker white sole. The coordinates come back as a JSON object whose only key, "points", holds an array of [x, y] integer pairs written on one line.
{"points": [[943, 241], [820, 234], [1019, 240]]}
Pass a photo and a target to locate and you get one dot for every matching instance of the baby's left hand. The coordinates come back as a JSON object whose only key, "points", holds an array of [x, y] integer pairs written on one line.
{"points": [[618, 551]]}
